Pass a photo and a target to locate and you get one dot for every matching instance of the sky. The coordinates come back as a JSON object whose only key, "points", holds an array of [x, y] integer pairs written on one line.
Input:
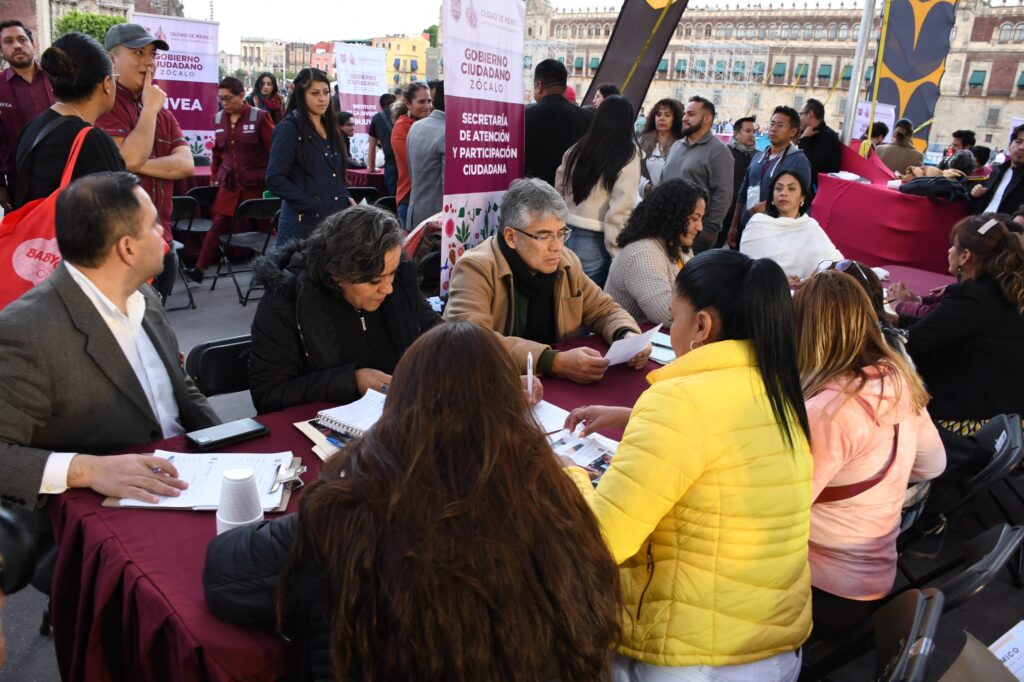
{"points": [[315, 20]]}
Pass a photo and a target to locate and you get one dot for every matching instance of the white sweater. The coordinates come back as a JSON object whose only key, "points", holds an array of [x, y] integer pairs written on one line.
{"points": [[796, 244], [603, 211]]}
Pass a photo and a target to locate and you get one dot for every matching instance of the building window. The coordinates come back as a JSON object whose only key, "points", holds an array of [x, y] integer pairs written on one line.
{"points": [[707, 30], [855, 34], [728, 30], [798, 101], [819, 32], [992, 119], [762, 31], [833, 32], [529, 32], [844, 32], [607, 30], [1020, 84], [976, 82], [808, 31], [1018, 33], [773, 31], [1005, 33], [688, 31]]}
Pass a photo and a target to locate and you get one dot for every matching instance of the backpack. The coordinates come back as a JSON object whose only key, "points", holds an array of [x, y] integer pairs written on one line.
{"points": [[939, 189]]}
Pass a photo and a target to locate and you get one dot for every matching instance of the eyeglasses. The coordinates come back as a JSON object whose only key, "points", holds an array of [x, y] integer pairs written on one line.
{"points": [[226, 98], [546, 237], [841, 266]]}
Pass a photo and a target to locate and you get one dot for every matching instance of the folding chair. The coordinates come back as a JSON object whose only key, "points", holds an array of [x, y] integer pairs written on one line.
{"points": [[905, 634], [360, 193], [254, 241], [178, 248], [982, 559], [389, 203], [221, 366], [204, 196]]}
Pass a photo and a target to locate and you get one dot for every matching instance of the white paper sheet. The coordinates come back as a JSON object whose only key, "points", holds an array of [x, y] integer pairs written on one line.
{"points": [[551, 417], [624, 349], [204, 472], [1009, 649]]}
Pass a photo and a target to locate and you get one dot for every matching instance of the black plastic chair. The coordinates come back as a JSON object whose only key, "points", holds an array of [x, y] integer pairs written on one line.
{"points": [[389, 203], [982, 559], [905, 633], [900, 632], [360, 193], [221, 366], [263, 211], [204, 196], [186, 218], [178, 249]]}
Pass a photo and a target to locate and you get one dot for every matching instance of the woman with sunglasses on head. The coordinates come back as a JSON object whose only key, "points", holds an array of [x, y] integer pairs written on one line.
{"points": [[706, 503], [443, 544], [785, 233], [307, 159], [242, 140], [598, 179], [265, 96], [870, 435], [83, 81]]}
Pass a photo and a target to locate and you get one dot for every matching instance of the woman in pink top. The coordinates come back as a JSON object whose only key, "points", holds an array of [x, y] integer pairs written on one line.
{"points": [[870, 435]]}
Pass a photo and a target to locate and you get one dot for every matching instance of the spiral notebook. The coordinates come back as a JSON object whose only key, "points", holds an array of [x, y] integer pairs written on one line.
{"points": [[355, 418]]}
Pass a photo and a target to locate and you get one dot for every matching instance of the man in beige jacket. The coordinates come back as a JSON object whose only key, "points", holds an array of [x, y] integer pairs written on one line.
{"points": [[527, 287]]}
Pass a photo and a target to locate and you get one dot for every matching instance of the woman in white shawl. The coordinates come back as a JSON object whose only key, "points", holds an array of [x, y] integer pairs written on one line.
{"points": [[785, 233]]}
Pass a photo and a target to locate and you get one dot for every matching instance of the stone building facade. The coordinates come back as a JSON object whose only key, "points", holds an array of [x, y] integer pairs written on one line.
{"points": [[41, 15], [749, 60]]}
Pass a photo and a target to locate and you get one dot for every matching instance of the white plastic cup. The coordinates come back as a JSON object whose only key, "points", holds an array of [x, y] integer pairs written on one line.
{"points": [[239, 500]]}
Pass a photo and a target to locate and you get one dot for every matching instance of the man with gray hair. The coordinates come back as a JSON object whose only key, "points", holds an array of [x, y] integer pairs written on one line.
{"points": [[523, 284]]}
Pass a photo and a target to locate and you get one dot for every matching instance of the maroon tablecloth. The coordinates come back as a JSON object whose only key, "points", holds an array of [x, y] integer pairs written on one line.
{"points": [[360, 177], [877, 225], [918, 281], [127, 593]]}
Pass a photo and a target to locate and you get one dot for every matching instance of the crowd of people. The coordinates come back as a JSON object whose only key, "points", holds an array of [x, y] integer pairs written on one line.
{"points": [[449, 542]]}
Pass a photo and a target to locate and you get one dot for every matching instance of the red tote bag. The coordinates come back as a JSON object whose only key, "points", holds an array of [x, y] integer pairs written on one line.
{"points": [[28, 237]]}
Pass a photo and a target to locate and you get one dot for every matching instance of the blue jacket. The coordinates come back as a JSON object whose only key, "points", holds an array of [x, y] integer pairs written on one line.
{"points": [[310, 183], [793, 160]]}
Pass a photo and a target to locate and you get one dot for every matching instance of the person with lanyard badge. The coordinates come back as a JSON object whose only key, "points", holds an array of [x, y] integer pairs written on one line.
{"points": [[753, 194]]}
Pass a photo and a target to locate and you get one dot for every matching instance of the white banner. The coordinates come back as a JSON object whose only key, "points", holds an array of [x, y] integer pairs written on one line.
{"points": [[361, 82], [884, 113]]}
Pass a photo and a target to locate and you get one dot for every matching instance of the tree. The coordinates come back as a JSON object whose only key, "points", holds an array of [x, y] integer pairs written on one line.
{"points": [[432, 32], [95, 25], [241, 75]]}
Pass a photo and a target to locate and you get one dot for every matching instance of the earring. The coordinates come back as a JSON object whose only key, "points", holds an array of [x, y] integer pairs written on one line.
{"points": [[695, 341]]}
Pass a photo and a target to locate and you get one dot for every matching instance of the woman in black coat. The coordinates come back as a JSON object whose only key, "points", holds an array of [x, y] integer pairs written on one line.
{"points": [[339, 311], [969, 348]]}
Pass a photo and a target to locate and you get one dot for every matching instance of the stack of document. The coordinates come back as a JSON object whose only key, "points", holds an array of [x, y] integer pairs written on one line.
{"points": [[594, 452]]}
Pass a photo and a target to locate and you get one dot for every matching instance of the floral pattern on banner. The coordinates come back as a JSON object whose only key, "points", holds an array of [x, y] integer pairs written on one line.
{"points": [[468, 220], [200, 143]]}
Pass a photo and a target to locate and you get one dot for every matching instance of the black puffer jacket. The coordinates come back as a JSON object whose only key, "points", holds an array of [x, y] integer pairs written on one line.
{"points": [[240, 581], [308, 342]]}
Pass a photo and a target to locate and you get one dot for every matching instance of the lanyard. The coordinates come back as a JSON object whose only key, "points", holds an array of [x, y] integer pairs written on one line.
{"points": [[782, 156]]}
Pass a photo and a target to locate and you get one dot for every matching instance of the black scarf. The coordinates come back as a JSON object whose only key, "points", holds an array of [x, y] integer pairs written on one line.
{"points": [[539, 289]]}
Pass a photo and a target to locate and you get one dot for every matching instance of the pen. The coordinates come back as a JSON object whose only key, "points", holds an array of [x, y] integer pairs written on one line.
{"points": [[529, 374], [157, 470], [335, 442]]}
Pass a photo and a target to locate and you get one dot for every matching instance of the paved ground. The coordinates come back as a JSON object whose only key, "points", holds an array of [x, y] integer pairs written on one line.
{"points": [[30, 657]]}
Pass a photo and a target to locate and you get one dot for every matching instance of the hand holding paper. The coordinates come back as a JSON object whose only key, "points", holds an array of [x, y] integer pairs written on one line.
{"points": [[634, 348]]}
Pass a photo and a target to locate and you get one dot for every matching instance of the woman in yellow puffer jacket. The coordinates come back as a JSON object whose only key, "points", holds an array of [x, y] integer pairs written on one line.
{"points": [[706, 505]]}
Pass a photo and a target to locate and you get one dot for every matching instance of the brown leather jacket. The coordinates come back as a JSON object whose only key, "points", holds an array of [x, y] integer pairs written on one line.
{"points": [[481, 292]]}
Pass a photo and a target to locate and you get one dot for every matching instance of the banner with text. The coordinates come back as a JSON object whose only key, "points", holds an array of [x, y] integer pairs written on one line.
{"points": [[361, 82], [484, 123], [187, 72]]}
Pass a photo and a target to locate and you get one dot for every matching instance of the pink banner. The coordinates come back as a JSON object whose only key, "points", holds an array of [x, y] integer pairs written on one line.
{"points": [[188, 73], [486, 150]]}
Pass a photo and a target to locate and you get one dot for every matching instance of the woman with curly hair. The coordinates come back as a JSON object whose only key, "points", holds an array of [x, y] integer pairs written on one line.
{"points": [[444, 544], [655, 243], [664, 126]]}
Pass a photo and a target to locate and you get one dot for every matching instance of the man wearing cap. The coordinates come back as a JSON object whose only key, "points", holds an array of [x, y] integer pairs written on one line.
{"points": [[149, 137], [25, 93]]}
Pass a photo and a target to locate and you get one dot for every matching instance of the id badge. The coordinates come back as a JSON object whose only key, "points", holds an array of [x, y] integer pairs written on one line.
{"points": [[753, 196]]}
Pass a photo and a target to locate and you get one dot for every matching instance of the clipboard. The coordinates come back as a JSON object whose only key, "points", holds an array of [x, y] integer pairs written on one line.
{"points": [[296, 463]]}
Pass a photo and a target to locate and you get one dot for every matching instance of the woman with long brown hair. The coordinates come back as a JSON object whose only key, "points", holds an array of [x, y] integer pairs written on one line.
{"points": [[445, 544], [870, 435], [968, 348]]}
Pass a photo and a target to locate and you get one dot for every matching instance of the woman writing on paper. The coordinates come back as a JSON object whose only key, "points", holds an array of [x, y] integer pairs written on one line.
{"points": [[706, 503], [446, 529], [340, 309]]}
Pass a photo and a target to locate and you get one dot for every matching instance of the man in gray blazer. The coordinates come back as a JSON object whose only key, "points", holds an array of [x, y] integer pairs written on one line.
{"points": [[88, 361], [425, 146]]}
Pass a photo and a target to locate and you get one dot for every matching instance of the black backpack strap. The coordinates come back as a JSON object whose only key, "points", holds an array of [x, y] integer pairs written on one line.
{"points": [[47, 129]]}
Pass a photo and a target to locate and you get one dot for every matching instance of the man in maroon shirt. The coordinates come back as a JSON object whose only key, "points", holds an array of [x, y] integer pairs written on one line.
{"points": [[24, 94], [148, 135]]}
